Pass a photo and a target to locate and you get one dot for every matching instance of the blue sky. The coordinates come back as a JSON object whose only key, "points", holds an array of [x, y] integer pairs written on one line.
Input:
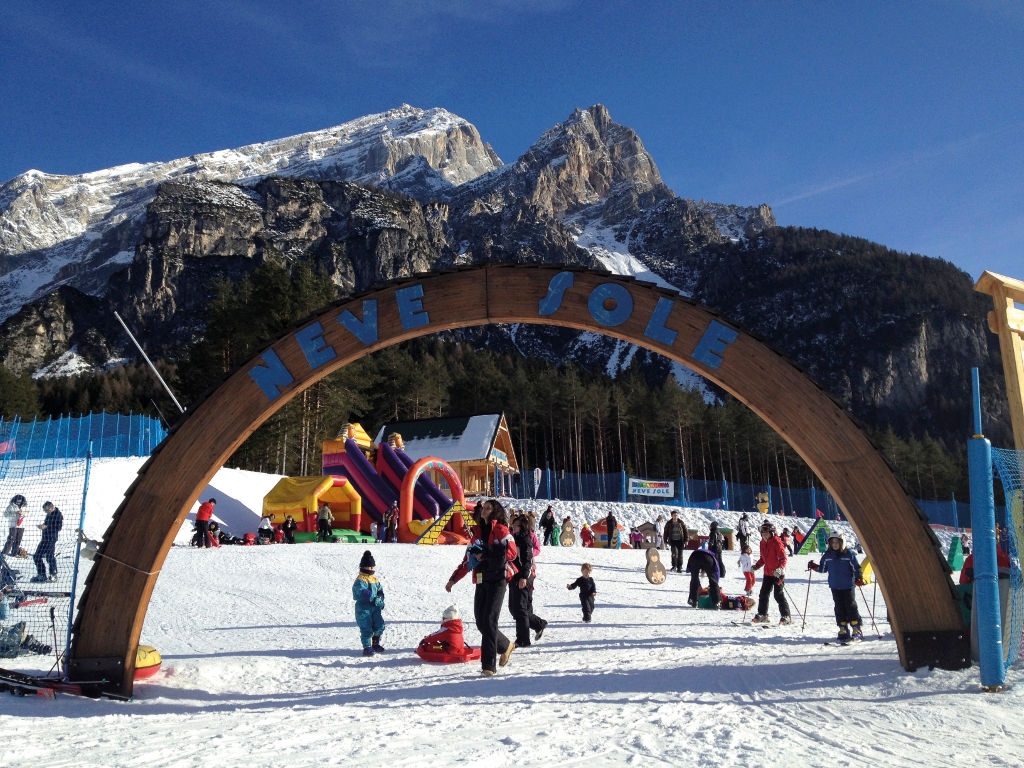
{"points": [[900, 122]]}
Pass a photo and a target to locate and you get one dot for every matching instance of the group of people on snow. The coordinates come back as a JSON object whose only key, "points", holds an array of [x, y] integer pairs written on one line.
{"points": [[50, 528], [502, 558]]}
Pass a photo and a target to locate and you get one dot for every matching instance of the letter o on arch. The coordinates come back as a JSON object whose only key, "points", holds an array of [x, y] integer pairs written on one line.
{"points": [[922, 611]]}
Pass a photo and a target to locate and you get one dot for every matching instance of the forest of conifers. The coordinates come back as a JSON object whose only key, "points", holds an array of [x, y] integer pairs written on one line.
{"points": [[559, 416]]}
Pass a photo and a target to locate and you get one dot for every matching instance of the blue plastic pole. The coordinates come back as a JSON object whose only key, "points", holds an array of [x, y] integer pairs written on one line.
{"points": [[986, 573]]}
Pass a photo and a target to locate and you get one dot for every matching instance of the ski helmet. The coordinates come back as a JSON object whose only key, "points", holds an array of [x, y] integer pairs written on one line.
{"points": [[835, 536], [767, 527]]}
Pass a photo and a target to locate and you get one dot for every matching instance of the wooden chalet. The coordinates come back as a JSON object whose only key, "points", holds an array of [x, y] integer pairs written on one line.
{"points": [[478, 448]]}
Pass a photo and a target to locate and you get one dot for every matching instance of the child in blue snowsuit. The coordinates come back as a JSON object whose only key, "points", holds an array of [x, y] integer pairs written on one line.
{"points": [[369, 597], [844, 576]]}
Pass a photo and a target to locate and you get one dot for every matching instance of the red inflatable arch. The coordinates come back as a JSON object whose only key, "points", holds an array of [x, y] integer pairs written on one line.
{"points": [[914, 576]]}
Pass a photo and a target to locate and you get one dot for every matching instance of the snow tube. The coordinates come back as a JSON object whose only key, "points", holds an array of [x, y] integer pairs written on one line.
{"points": [[147, 662], [442, 653]]}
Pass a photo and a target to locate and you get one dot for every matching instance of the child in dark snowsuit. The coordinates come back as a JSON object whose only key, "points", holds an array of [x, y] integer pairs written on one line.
{"points": [[588, 590], [844, 576], [369, 597]]}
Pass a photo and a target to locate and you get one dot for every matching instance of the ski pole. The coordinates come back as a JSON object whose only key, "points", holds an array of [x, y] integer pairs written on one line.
{"points": [[807, 597], [56, 650], [870, 612], [790, 598]]}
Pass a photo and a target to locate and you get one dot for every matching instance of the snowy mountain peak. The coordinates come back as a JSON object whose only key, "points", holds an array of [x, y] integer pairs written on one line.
{"points": [[76, 230]]}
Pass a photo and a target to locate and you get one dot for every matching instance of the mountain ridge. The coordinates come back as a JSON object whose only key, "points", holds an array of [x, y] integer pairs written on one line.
{"points": [[410, 190]]}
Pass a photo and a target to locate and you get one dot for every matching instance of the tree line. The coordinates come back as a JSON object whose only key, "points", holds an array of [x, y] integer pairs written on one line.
{"points": [[560, 415]]}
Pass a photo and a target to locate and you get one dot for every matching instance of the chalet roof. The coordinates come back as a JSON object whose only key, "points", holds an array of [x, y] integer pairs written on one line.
{"points": [[465, 438]]}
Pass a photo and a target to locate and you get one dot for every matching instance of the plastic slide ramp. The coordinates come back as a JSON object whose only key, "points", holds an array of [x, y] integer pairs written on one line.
{"points": [[424, 484], [392, 469], [376, 494], [433, 531]]}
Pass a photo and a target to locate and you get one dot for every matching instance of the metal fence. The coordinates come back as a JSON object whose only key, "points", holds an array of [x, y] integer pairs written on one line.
{"points": [[711, 494]]}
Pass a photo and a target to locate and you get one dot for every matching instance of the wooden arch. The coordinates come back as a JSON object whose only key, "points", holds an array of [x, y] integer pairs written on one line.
{"points": [[923, 612]]}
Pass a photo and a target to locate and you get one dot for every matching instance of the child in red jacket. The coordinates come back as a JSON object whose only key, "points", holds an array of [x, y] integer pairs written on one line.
{"points": [[773, 560]]}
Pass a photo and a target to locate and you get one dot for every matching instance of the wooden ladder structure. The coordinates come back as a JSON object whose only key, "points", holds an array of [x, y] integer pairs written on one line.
{"points": [[431, 534]]}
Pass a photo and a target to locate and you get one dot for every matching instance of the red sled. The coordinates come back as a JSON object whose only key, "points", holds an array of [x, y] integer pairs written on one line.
{"points": [[442, 653]]}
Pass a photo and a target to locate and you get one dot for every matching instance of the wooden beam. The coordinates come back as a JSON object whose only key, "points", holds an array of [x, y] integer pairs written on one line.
{"points": [[1007, 322]]}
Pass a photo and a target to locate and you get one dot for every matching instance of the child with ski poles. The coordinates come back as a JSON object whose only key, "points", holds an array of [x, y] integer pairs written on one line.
{"points": [[844, 575], [773, 560]]}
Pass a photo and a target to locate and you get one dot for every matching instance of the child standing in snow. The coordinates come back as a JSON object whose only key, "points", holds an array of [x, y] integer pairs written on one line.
{"points": [[844, 576], [588, 590], [746, 564], [369, 597], [586, 536]]}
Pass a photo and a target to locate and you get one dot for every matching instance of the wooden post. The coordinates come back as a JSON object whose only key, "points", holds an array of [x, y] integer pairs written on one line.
{"points": [[1007, 322]]}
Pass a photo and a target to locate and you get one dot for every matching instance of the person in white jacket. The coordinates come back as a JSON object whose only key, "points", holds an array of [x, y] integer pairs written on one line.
{"points": [[15, 515]]}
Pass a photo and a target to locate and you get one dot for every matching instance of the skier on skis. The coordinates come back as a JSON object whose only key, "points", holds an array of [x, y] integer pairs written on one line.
{"points": [[773, 560], [844, 575]]}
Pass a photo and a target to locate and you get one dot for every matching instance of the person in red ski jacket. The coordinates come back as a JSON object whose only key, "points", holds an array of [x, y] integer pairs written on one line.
{"points": [[773, 560], [490, 557], [203, 515]]}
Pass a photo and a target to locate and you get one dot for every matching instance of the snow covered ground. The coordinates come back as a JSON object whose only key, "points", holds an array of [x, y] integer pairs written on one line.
{"points": [[262, 667]]}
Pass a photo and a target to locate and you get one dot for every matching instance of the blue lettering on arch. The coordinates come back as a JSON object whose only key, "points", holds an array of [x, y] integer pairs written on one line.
{"points": [[410, 307], [311, 342], [712, 345], [272, 377], [366, 329], [623, 304], [559, 284], [656, 329]]}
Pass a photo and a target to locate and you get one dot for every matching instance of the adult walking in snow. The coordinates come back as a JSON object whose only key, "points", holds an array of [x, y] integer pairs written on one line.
{"points": [[773, 560], [324, 518], [45, 552], [547, 525], [489, 557], [675, 535], [716, 543], [743, 530], [520, 589], [612, 527]]}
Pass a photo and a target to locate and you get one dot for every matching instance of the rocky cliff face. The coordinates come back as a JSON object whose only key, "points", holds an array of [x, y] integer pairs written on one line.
{"points": [[410, 190]]}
